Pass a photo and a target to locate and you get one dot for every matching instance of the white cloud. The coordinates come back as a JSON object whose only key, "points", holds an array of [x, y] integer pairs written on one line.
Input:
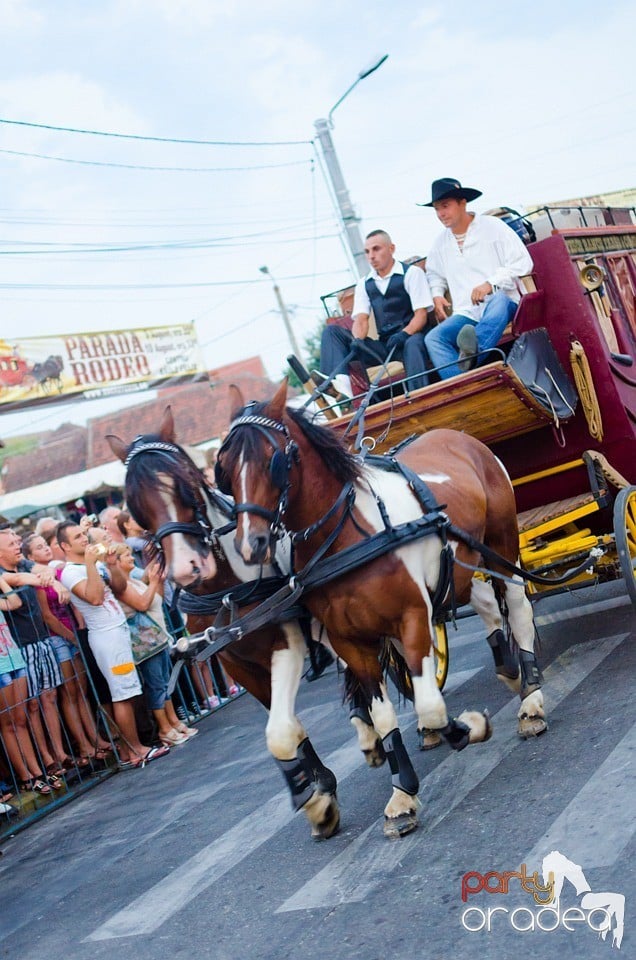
{"points": [[19, 15]]}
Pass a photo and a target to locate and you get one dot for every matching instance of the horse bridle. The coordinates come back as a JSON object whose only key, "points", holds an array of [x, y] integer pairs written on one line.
{"points": [[200, 528], [280, 467]]}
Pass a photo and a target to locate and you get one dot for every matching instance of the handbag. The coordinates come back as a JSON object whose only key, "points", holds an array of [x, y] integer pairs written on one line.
{"points": [[146, 636]]}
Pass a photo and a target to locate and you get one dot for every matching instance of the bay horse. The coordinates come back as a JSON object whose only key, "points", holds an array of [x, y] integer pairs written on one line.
{"points": [[167, 494], [283, 469]]}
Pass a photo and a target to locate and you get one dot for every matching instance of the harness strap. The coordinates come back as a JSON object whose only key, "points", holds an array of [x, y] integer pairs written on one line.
{"points": [[315, 575], [415, 482], [493, 557], [209, 604]]}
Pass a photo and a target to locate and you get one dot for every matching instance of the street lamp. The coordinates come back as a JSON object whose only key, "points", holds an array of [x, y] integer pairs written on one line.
{"points": [[344, 206], [284, 313]]}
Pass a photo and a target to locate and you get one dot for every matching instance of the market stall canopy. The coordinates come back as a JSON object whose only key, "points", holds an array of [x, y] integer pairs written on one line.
{"points": [[107, 476]]}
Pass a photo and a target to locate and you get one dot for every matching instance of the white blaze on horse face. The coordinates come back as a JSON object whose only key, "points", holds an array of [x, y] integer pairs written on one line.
{"points": [[284, 731], [429, 702], [186, 565], [244, 518]]}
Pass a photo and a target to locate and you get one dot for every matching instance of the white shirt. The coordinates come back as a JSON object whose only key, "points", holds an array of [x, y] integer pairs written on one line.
{"points": [[492, 251], [415, 284], [105, 615]]}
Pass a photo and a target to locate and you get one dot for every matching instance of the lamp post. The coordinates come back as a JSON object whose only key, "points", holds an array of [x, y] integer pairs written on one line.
{"points": [[344, 206], [283, 312]]}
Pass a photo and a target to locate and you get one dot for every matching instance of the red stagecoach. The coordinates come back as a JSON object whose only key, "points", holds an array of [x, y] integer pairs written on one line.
{"points": [[13, 371], [556, 403]]}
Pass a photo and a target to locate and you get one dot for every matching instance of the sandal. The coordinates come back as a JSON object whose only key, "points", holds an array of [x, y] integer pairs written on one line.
{"points": [[34, 785], [153, 754], [173, 738], [188, 732], [54, 781]]}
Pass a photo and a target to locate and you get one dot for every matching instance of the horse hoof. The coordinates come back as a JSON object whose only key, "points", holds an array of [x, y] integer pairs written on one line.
{"points": [[531, 726], [479, 724], [376, 756], [329, 825], [396, 827], [428, 739]]}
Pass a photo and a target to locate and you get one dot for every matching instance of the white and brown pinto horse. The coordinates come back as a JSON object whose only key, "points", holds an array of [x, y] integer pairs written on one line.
{"points": [[167, 494], [283, 469]]}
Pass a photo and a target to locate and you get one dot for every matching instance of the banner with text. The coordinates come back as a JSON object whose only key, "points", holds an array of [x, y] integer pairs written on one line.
{"points": [[90, 366]]}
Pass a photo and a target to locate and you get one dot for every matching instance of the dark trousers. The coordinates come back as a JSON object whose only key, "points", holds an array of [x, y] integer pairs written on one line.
{"points": [[336, 342]]}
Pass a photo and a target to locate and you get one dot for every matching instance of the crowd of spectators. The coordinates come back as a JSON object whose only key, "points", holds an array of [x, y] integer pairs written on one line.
{"points": [[86, 625]]}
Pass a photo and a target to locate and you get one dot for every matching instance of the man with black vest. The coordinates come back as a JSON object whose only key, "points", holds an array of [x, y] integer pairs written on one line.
{"points": [[400, 298]]}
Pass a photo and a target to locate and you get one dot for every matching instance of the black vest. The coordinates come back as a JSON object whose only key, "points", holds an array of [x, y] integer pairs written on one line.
{"points": [[393, 309]]}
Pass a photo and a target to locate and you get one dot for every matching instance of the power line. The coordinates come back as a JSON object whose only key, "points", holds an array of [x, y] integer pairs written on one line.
{"points": [[223, 243], [136, 136], [157, 286], [140, 166]]}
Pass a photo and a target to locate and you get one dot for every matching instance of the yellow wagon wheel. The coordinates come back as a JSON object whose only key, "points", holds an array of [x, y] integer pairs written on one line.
{"points": [[625, 533], [441, 654]]}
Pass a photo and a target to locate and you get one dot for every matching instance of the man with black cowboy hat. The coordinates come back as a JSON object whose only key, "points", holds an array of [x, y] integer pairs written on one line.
{"points": [[479, 260]]}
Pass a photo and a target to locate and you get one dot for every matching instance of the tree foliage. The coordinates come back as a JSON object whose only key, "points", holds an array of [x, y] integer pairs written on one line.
{"points": [[311, 355]]}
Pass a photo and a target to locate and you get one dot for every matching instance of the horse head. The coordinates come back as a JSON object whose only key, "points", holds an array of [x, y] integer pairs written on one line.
{"points": [[166, 494], [281, 469], [254, 463]]}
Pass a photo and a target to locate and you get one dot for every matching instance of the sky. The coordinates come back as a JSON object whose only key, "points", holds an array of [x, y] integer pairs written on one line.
{"points": [[526, 102]]}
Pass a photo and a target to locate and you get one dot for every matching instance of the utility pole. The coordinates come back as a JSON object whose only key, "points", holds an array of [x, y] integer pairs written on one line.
{"points": [[284, 314], [344, 207]]}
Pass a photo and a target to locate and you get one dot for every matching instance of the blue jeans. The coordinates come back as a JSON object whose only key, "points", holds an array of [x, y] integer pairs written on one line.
{"points": [[441, 342], [155, 674]]}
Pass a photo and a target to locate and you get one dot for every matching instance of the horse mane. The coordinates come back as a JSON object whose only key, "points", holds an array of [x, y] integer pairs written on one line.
{"points": [[344, 465], [142, 475]]}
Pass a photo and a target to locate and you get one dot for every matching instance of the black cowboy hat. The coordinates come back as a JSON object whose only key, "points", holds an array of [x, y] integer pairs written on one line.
{"points": [[448, 188]]}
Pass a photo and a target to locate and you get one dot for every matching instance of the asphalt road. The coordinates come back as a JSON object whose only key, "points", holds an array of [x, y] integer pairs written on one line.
{"points": [[200, 855]]}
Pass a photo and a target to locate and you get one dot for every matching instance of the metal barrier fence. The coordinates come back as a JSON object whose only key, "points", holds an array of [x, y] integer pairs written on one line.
{"points": [[36, 732]]}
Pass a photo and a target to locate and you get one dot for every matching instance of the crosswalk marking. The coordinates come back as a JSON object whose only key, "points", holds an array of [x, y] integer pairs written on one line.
{"points": [[574, 613], [591, 831], [369, 860], [150, 910], [466, 639]]}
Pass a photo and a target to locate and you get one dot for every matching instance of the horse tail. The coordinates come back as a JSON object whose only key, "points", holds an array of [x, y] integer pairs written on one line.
{"points": [[394, 666]]}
